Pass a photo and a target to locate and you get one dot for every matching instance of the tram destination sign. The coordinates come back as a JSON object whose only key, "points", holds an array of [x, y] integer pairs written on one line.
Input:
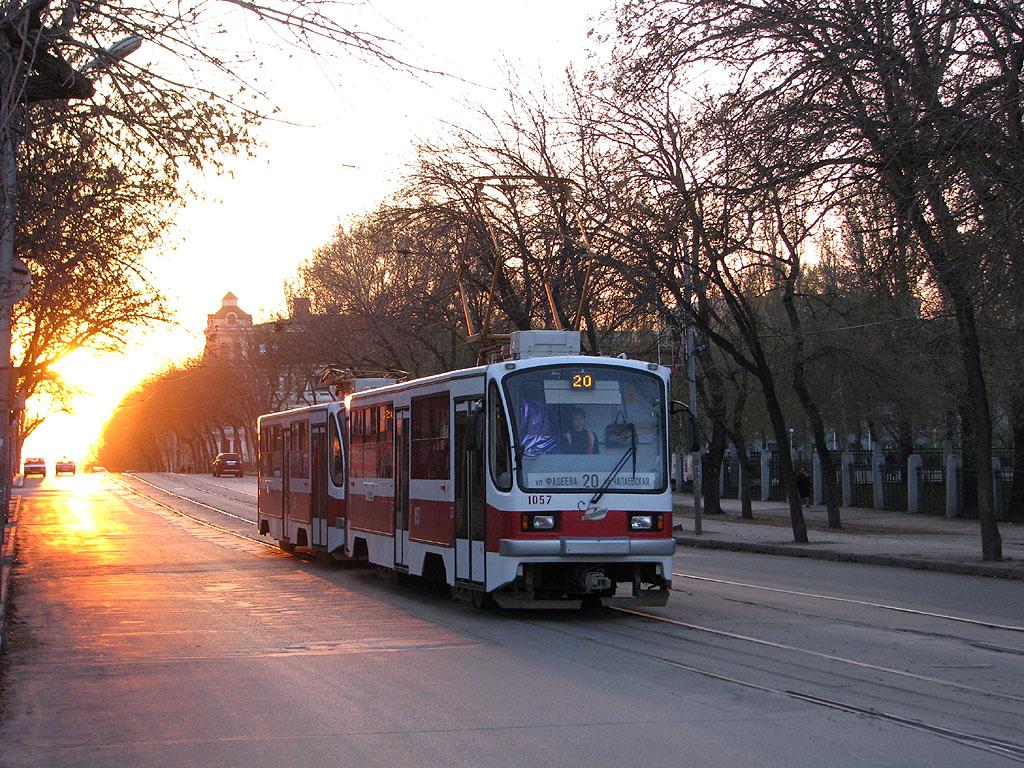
{"points": [[555, 480]]}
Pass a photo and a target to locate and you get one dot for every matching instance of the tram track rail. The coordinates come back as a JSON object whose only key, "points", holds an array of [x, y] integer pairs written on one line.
{"points": [[849, 601], [180, 513], [829, 657], [1009, 750], [214, 489]]}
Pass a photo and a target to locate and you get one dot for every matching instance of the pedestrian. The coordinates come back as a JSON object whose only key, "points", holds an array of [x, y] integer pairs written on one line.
{"points": [[803, 485]]}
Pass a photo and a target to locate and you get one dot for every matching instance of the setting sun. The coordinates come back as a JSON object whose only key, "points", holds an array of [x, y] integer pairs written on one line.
{"points": [[102, 380]]}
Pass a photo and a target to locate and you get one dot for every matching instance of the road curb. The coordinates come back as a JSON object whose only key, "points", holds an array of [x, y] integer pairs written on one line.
{"points": [[1011, 570], [7, 554]]}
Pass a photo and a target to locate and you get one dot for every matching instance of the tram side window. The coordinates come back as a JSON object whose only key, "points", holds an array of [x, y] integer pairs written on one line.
{"points": [[274, 451], [263, 458], [356, 439], [299, 464], [430, 437], [385, 441], [371, 443], [499, 449], [337, 458]]}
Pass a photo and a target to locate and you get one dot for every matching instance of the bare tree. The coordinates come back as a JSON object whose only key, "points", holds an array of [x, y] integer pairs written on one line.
{"points": [[923, 99]]}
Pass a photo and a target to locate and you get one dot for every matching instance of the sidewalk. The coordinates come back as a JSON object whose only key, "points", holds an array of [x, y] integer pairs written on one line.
{"points": [[7, 554], [879, 537]]}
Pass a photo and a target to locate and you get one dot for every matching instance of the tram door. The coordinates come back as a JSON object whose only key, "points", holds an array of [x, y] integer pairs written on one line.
{"points": [[470, 520], [286, 479], [401, 485], [318, 484]]}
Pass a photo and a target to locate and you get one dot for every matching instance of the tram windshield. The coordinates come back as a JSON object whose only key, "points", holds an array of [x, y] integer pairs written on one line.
{"points": [[592, 427]]}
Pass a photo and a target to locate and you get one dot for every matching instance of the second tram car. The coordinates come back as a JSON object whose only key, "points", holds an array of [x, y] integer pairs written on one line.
{"points": [[537, 481], [301, 486]]}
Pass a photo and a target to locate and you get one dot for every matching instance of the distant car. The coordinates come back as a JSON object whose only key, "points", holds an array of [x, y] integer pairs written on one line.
{"points": [[98, 468], [64, 467], [34, 467], [228, 464]]}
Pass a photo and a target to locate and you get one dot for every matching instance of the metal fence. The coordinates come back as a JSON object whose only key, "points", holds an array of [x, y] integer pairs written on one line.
{"points": [[837, 476], [730, 478], [965, 489], [1005, 479], [776, 491], [755, 474], [931, 482], [861, 481], [894, 481]]}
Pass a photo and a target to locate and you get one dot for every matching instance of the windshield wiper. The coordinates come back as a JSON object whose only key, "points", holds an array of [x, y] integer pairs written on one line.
{"points": [[630, 451]]}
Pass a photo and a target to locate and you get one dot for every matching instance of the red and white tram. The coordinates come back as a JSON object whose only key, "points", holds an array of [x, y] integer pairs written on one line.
{"points": [[538, 481], [301, 486]]}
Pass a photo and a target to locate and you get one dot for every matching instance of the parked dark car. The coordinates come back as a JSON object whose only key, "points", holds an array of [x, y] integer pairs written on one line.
{"points": [[228, 464], [34, 467], [64, 467]]}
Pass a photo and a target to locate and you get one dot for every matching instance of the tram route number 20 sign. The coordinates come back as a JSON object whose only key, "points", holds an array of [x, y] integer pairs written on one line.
{"points": [[582, 381]]}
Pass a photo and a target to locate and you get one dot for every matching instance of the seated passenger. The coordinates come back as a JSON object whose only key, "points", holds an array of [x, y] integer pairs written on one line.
{"points": [[540, 436], [578, 439]]}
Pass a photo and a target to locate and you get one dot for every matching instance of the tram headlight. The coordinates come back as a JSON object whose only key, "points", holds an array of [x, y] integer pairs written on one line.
{"points": [[537, 522], [647, 522]]}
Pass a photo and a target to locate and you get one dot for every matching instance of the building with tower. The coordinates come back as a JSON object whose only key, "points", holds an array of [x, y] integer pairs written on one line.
{"points": [[229, 330]]}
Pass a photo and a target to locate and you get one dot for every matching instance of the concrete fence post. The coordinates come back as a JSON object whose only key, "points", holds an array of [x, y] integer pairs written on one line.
{"points": [[677, 469], [846, 477], [817, 479], [766, 475], [953, 480], [877, 486], [997, 488], [915, 468]]}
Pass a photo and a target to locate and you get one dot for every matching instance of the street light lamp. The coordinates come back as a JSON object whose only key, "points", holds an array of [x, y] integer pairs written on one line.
{"points": [[115, 53]]}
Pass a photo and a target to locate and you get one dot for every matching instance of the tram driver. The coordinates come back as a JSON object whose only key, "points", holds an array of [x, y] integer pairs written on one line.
{"points": [[578, 439]]}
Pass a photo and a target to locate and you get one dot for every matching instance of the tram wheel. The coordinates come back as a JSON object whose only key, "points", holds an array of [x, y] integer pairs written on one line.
{"points": [[286, 546], [483, 600]]}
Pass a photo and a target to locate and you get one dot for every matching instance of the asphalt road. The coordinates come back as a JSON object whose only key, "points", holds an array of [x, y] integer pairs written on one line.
{"points": [[143, 637]]}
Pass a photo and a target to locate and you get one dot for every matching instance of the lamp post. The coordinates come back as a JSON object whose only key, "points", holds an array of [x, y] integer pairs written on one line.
{"points": [[30, 74]]}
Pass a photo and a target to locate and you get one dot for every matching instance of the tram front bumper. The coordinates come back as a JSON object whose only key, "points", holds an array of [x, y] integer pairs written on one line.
{"points": [[567, 547]]}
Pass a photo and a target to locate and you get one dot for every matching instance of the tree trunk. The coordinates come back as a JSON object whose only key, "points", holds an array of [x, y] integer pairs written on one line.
{"points": [[969, 474], [716, 449], [796, 515], [991, 542], [1015, 508], [742, 455], [809, 406], [713, 470], [746, 481]]}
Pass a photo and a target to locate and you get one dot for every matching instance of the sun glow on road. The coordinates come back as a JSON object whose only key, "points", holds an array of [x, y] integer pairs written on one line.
{"points": [[81, 515], [82, 520]]}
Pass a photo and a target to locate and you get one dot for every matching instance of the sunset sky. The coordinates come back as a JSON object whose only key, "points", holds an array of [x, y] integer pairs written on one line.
{"points": [[348, 129]]}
